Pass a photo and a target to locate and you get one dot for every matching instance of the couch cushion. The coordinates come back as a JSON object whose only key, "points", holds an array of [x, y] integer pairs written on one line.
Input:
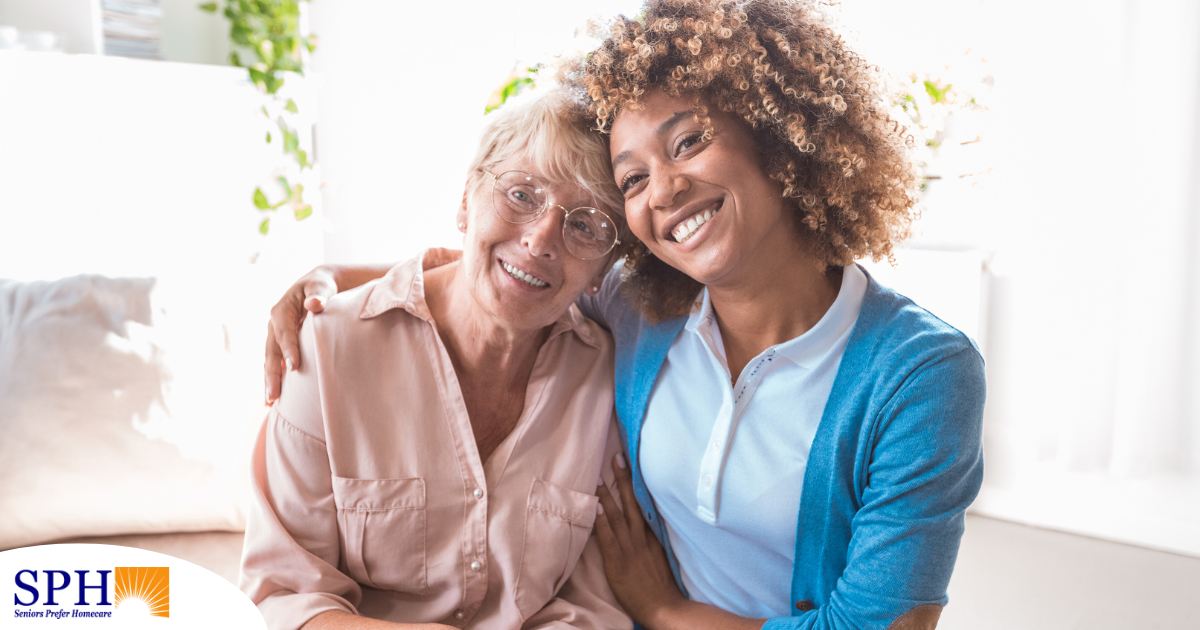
{"points": [[122, 411]]}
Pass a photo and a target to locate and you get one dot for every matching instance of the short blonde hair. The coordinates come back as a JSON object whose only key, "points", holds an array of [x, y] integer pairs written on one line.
{"points": [[550, 128]]}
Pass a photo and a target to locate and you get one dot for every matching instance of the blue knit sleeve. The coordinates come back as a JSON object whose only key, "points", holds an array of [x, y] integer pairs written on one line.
{"points": [[924, 467]]}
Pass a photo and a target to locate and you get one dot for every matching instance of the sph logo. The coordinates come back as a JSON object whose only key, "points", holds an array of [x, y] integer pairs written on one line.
{"points": [[56, 581], [148, 587], [120, 588]]}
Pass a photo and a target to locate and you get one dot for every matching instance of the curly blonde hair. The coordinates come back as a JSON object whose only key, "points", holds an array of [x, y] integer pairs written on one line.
{"points": [[819, 113]]}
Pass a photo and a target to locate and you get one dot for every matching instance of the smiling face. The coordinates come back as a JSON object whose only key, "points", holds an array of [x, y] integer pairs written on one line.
{"points": [[522, 274], [703, 206]]}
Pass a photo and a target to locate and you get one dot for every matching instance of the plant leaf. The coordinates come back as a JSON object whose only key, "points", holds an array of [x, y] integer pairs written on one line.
{"points": [[260, 200], [937, 94], [268, 137], [303, 212], [210, 7], [291, 141], [258, 77], [264, 226], [291, 106]]}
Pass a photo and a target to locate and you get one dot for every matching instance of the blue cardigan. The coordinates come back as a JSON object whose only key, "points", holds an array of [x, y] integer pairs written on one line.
{"points": [[896, 460]]}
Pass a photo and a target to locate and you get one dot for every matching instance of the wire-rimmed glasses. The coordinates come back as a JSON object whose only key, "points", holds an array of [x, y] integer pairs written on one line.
{"points": [[519, 197]]}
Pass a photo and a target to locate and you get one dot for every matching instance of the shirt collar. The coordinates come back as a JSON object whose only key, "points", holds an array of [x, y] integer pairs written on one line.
{"points": [[403, 286], [701, 312], [809, 347]]}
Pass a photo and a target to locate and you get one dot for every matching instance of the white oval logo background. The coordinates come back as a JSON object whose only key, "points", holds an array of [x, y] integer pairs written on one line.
{"points": [[199, 598]]}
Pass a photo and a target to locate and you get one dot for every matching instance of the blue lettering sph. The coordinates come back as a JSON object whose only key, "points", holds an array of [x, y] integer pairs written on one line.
{"points": [[27, 587]]}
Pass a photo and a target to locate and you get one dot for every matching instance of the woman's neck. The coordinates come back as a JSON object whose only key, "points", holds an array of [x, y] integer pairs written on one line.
{"points": [[481, 349], [493, 363], [783, 299]]}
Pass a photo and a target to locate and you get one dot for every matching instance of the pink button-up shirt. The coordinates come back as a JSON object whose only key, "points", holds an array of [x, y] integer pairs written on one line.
{"points": [[370, 496]]}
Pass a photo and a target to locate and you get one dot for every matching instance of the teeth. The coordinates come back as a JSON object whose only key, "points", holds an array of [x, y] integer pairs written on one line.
{"points": [[685, 230], [524, 277]]}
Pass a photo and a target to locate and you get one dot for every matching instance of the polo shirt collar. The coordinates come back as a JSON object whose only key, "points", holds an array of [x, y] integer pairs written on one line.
{"points": [[807, 349]]}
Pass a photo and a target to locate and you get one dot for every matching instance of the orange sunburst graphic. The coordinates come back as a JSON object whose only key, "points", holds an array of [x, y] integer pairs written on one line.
{"points": [[151, 585]]}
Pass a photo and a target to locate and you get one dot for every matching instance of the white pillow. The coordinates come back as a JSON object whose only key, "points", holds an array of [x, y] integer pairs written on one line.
{"points": [[122, 410]]}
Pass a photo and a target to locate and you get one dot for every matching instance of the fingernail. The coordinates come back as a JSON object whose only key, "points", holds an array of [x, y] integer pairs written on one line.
{"points": [[599, 509], [288, 361], [620, 460]]}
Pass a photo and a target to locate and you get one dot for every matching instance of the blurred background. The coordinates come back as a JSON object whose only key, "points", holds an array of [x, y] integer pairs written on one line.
{"points": [[156, 200]]}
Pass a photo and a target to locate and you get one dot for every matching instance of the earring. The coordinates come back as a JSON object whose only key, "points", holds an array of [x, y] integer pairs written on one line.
{"points": [[462, 226], [595, 289]]}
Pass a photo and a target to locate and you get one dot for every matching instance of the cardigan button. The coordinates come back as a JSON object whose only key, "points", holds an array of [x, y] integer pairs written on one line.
{"points": [[804, 605]]}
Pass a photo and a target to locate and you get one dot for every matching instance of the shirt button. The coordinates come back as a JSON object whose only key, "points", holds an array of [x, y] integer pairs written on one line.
{"points": [[476, 565], [716, 445], [708, 482], [478, 493], [459, 614], [804, 605]]}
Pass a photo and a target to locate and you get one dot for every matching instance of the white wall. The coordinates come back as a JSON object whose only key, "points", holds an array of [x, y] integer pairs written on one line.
{"points": [[403, 87], [194, 36], [127, 167]]}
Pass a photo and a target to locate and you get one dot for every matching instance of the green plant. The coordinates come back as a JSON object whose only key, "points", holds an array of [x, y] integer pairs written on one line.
{"points": [[516, 83], [947, 107], [269, 32]]}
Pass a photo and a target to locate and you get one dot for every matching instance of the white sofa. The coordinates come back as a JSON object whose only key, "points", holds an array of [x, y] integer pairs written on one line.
{"points": [[123, 414], [134, 289]]}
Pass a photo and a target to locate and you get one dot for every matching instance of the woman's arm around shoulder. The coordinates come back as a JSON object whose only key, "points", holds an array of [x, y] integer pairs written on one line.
{"points": [[307, 295]]}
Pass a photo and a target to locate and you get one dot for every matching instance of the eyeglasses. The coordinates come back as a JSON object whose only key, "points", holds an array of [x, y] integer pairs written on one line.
{"points": [[519, 198]]}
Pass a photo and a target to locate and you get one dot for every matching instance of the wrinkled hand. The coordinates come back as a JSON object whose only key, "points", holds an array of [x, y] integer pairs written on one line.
{"points": [[635, 563], [309, 293]]}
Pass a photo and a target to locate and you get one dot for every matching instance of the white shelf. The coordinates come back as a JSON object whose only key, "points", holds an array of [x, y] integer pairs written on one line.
{"points": [[189, 34]]}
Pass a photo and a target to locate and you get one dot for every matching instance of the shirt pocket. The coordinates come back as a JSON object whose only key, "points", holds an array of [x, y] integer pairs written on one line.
{"points": [[382, 525], [558, 522]]}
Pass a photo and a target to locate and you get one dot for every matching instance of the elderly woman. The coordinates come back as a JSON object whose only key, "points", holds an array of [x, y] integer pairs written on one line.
{"points": [[802, 442], [434, 457]]}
